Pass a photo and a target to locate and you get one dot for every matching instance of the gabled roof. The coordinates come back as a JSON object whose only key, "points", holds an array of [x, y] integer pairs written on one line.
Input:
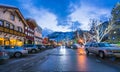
{"points": [[16, 10]]}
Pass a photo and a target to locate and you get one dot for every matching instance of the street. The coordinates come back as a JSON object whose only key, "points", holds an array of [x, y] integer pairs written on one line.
{"points": [[58, 60]]}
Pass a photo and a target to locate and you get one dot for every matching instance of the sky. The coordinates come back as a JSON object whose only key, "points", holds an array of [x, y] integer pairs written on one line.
{"points": [[64, 15]]}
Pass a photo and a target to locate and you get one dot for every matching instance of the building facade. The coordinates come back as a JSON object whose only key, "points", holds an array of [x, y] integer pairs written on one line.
{"points": [[38, 35], [12, 25], [30, 30]]}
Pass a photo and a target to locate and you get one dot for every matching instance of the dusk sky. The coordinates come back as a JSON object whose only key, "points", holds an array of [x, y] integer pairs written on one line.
{"points": [[62, 15]]}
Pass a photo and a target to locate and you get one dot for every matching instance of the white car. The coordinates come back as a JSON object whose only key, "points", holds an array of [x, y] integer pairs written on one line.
{"points": [[102, 49]]}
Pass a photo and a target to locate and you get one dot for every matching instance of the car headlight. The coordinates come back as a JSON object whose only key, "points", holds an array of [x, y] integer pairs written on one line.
{"points": [[108, 50]]}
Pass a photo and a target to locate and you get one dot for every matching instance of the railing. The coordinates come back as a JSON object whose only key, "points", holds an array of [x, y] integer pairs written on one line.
{"points": [[10, 31]]}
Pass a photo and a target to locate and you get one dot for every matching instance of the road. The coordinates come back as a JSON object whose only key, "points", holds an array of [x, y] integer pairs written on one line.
{"points": [[59, 60]]}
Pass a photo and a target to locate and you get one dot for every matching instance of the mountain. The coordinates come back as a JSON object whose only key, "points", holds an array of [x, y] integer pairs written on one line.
{"points": [[58, 36], [46, 31]]}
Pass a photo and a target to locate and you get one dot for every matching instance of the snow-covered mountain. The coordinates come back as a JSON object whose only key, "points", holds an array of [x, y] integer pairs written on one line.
{"points": [[58, 36], [46, 31]]}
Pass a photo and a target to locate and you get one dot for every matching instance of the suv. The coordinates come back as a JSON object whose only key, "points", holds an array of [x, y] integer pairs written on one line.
{"points": [[102, 49], [31, 48]]}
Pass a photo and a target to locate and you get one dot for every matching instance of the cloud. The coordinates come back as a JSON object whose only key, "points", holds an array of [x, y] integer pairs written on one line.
{"points": [[85, 12], [75, 25], [43, 17], [55, 18]]}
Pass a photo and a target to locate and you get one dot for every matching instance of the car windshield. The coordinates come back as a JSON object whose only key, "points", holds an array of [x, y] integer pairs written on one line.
{"points": [[28, 45], [104, 45], [17, 47]]}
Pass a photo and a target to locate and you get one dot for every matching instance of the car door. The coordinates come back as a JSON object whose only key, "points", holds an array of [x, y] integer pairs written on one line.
{"points": [[95, 47], [91, 47], [9, 50]]}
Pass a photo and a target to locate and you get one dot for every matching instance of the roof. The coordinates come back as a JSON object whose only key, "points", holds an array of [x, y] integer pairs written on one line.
{"points": [[31, 22], [16, 10]]}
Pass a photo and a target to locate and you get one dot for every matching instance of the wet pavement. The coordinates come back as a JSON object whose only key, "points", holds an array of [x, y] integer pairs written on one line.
{"points": [[63, 59], [60, 59]]}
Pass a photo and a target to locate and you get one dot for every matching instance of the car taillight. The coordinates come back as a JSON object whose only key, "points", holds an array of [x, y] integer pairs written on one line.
{"points": [[1, 53]]}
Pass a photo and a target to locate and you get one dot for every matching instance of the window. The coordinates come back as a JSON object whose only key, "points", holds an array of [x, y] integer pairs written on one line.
{"points": [[12, 26], [12, 17], [1, 23], [7, 25], [95, 45], [26, 33], [19, 29], [25, 27]]}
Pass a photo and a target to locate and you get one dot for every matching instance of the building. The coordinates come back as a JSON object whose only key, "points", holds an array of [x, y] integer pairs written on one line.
{"points": [[30, 30], [12, 25], [38, 35]]}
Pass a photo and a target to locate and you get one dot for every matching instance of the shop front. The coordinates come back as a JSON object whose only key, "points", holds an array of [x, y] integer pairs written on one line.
{"points": [[9, 39]]}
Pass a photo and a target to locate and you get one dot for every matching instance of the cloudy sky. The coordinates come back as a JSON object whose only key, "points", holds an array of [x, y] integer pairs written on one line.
{"points": [[63, 15]]}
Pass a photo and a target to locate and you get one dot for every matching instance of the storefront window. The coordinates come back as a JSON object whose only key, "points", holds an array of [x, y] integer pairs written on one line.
{"points": [[1, 23]]}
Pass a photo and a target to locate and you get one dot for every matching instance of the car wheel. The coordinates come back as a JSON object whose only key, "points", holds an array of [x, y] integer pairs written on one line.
{"points": [[102, 55], [33, 51], [18, 54], [87, 52]]}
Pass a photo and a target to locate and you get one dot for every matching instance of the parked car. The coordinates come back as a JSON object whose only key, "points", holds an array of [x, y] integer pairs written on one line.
{"points": [[31, 48], [16, 51], [3, 55], [41, 47], [102, 49]]}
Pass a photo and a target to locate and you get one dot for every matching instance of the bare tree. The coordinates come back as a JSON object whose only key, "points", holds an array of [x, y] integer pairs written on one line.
{"points": [[100, 29]]}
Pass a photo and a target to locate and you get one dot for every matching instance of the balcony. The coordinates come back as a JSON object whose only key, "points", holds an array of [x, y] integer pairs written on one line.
{"points": [[6, 30], [11, 31], [1, 29]]}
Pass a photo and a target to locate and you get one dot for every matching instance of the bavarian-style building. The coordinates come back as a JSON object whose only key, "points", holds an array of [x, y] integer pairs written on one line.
{"points": [[12, 26]]}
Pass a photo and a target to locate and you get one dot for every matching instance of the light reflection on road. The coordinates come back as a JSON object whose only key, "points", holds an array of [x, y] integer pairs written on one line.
{"points": [[62, 50], [81, 60]]}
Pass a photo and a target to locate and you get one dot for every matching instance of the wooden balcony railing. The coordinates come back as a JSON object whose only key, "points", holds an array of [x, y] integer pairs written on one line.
{"points": [[11, 31]]}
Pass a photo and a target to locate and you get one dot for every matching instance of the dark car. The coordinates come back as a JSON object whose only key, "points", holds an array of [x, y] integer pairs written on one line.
{"points": [[16, 51], [31, 48], [3, 55]]}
